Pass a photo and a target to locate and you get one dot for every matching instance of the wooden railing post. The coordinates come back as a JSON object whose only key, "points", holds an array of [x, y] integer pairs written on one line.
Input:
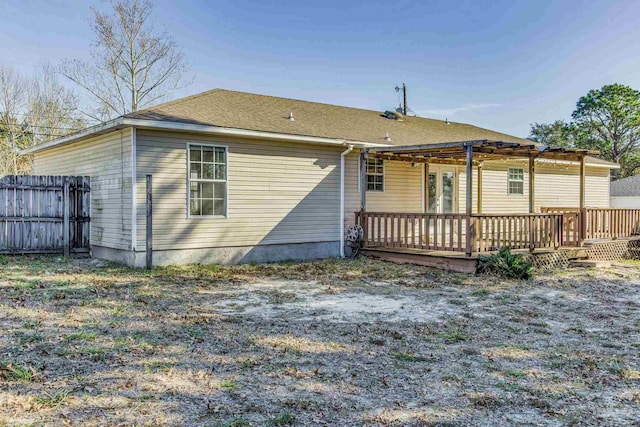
{"points": [[582, 226], [471, 235], [532, 233]]}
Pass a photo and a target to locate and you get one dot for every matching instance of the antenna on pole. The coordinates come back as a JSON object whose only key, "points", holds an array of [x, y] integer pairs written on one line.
{"points": [[403, 108]]}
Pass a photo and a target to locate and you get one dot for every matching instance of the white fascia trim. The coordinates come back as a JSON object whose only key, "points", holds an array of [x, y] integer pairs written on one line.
{"points": [[134, 190], [88, 132], [190, 127]]}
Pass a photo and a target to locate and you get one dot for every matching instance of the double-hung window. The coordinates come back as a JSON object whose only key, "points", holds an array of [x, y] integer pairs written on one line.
{"points": [[516, 181], [375, 175], [207, 181]]}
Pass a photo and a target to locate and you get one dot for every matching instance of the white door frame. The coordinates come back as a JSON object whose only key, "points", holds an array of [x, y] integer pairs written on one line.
{"points": [[438, 171]]}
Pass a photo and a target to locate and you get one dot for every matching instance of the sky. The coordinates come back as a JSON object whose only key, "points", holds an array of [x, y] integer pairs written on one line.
{"points": [[497, 64]]}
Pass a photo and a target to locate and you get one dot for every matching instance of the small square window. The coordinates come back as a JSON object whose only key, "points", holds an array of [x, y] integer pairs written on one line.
{"points": [[375, 175], [515, 181]]}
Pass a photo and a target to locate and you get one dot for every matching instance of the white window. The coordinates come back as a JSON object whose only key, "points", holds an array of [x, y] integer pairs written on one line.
{"points": [[375, 175], [516, 181], [207, 181]]}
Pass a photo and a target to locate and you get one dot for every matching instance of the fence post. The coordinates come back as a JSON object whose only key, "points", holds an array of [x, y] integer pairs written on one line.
{"points": [[66, 202], [149, 248]]}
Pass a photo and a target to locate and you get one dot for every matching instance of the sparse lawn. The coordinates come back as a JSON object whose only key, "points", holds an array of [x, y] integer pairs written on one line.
{"points": [[335, 343]]}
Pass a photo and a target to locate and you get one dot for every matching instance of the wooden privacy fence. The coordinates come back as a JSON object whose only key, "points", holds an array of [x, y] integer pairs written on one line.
{"points": [[464, 233], [44, 214]]}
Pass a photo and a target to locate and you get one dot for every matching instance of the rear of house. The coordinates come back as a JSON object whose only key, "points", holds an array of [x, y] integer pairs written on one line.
{"points": [[248, 178]]}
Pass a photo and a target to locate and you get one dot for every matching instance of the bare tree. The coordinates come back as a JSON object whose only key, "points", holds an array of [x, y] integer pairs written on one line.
{"points": [[132, 65], [52, 109], [13, 101], [33, 110]]}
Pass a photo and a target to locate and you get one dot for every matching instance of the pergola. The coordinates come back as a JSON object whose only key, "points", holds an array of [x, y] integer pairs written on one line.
{"points": [[475, 152]]}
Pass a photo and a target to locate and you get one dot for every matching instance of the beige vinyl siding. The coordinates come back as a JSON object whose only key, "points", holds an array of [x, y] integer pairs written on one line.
{"points": [[107, 160], [402, 189], [557, 185], [495, 196], [278, 193]]}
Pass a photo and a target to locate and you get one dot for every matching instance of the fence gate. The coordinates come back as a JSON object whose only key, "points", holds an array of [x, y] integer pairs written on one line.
{"points": [[44, 214]]}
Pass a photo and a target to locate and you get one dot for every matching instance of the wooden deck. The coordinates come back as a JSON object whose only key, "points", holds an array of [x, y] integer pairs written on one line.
{"points": [[453, 261], [444, 260]]}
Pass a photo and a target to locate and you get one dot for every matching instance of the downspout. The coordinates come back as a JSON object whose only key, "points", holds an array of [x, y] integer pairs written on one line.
{"points": [[342, 156]]}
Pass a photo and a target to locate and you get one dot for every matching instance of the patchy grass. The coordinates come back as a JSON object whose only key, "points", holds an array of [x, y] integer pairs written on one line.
{"points": [[334, 342]]}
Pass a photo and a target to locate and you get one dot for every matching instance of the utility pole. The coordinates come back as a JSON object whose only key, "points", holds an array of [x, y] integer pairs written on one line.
{"points": [[404, 99], [404, 108]]}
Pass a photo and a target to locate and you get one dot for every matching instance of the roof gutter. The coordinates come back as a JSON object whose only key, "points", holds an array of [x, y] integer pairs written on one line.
{"points": [[122, 122]]}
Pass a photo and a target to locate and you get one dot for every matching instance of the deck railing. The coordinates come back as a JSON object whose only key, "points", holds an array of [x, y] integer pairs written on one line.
{"points": [[438, 232], [552, 228], [608, 223], [518, 231]]}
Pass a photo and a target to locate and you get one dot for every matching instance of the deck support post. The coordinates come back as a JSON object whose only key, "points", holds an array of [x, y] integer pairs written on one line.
{"points": [[479, 203], [583, 213], [469, 200], [532, 184]]}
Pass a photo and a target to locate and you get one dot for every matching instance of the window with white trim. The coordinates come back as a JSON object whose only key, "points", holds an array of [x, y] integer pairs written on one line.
{"points": [[207, 181], [516, 181], [375, 175]]}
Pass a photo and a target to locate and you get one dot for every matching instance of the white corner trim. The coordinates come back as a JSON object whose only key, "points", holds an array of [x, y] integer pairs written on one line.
{"points": [[134, 190]]}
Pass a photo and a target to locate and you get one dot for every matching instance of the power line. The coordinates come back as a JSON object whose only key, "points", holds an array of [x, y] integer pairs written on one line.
{"points": [[26, 126]]}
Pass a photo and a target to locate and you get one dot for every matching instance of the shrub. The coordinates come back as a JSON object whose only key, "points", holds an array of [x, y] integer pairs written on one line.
{"points": [[506, 264]]}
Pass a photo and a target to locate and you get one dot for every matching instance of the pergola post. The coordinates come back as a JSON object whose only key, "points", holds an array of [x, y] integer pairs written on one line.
{"points": [[363, 180], [469, 200], [425, 208], [583, 211], [532, 184], [479, 202]]}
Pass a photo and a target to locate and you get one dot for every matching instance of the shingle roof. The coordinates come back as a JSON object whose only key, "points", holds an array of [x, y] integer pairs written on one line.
{"points": [[626, 187], [240, 110]]}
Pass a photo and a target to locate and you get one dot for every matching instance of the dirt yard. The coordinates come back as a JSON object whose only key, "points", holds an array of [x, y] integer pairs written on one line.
{"points": [[336, 343]]}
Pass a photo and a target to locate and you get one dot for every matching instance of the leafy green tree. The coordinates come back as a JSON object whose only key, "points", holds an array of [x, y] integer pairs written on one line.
{"points": [[608, 120], [556, 134]]}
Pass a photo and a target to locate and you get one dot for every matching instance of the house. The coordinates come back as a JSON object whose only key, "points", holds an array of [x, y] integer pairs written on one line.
{"points": [[240, 177], [625, 193]]}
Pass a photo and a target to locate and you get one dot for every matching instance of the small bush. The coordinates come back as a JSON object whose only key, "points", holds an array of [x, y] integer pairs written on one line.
{"points": [[506, 264]]}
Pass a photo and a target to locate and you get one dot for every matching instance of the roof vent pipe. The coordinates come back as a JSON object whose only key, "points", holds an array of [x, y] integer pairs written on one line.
{"points": [[291, 119], [387, 137]]}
